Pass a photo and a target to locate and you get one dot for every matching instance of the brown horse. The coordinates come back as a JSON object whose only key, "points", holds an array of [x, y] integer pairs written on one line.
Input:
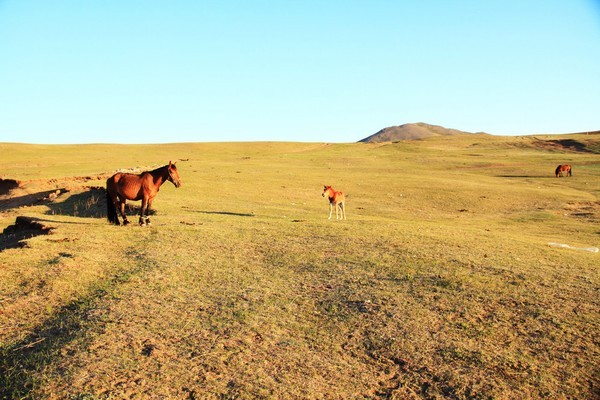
{"points": [[336, 199], [122, 187], [566, 168]]}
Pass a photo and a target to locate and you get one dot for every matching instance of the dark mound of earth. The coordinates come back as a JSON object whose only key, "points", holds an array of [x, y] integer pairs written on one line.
{"points": [[14, 236]]}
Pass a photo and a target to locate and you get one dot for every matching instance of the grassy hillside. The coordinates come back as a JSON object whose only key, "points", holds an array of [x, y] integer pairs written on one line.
{"points": [[416, 131], [441, 283]]}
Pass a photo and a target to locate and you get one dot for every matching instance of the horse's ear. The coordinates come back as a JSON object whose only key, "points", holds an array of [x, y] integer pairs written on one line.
{"points": [[170, 164]]}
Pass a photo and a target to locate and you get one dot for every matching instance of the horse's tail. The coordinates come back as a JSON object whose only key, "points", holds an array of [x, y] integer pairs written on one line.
{"points": [[570, 171], [111, 210]]}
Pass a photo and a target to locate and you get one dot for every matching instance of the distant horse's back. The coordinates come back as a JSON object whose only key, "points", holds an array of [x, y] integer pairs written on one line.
{"points": [[566, 168]]}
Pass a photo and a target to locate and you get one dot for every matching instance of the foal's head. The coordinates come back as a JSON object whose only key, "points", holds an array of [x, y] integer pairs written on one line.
{"points": [[173, 174], [327, 191]]}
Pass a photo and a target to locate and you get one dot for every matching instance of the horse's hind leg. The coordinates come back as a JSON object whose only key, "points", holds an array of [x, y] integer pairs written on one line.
{"points": [[112, 204], [122, 210], [343, 210]]}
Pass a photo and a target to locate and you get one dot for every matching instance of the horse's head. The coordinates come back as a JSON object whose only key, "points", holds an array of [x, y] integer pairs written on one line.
{"points": [[173, 174], [326, 190]]}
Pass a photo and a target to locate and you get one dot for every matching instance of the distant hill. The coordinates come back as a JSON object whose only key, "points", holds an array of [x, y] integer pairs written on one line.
{"points": [[410, 132]]}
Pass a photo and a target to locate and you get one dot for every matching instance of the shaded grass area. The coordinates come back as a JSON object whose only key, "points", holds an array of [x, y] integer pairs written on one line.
{"points": [[24, 365]]}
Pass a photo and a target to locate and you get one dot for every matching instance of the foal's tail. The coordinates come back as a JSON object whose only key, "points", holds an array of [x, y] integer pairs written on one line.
{"points": [[111, 210]]}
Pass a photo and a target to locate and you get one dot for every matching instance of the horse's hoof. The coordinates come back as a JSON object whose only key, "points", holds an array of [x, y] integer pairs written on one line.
{"points": [[125, 222]]}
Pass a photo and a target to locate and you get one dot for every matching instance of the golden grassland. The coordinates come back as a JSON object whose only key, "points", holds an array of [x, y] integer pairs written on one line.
{"points": [[441, 283]]}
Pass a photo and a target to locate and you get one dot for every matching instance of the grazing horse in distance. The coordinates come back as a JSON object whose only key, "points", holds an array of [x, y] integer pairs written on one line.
{"points": [[566, 168], [336, 199], [122, 187]]}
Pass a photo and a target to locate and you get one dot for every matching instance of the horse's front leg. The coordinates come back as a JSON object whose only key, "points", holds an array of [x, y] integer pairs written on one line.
{"points": [[330, 210], [148, 207], [122, 210]]}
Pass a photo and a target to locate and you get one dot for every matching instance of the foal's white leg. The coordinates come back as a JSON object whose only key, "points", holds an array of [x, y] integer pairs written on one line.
{"points": [[330, 210], [343, 211], [336, 211]]}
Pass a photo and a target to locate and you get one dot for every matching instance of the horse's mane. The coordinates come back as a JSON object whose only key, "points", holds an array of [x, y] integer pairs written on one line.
{"points": [[159, 168]]}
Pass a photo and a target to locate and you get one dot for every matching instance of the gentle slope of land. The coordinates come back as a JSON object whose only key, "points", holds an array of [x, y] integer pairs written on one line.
{"points": [[441, 283]]}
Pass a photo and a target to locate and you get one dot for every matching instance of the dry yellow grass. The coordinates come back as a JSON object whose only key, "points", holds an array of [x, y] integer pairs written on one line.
{"points": [[440, 284]]}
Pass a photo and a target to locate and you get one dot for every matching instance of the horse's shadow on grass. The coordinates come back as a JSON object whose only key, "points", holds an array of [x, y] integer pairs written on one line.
{"points": [[233, 214], [526, 176]]}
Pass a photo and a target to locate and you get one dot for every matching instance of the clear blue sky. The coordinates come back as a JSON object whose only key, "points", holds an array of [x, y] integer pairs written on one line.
{"points": [[147, 71]]}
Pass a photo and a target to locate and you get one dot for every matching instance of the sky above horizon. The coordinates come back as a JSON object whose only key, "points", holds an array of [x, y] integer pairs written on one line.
{"points": [[311, 71]]}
